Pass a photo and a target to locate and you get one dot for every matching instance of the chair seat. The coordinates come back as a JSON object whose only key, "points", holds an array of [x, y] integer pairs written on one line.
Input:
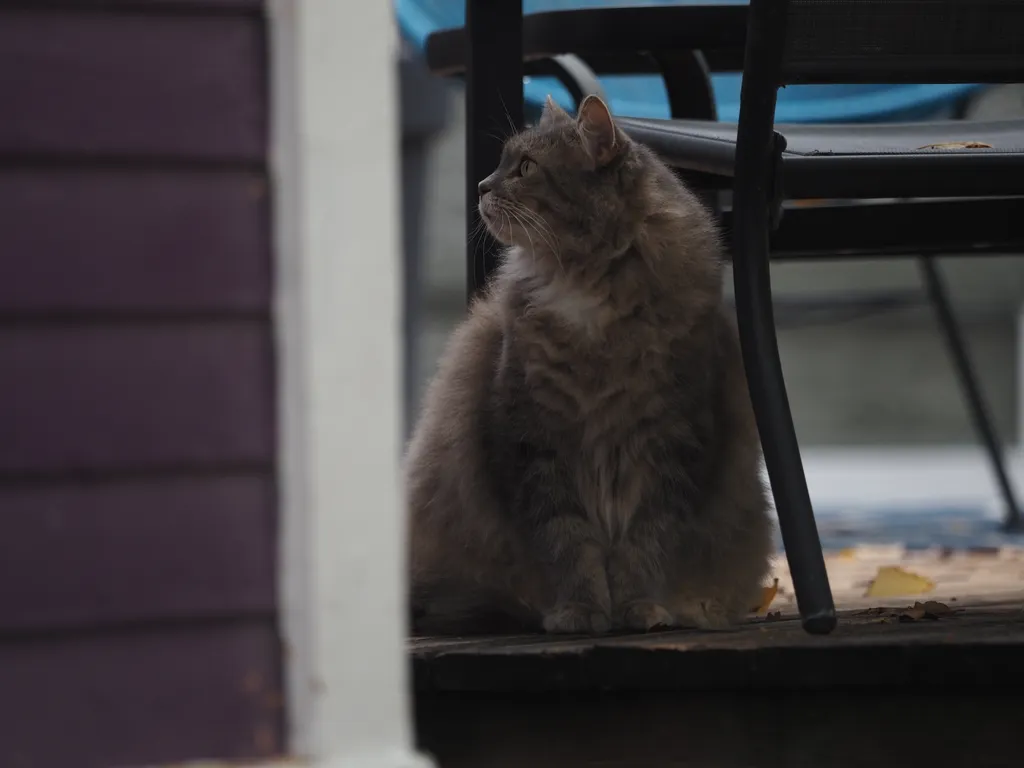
{"points": [[858, 160]]}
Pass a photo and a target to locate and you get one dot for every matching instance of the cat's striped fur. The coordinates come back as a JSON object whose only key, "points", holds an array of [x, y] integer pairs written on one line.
{"points": [[587, 456]]}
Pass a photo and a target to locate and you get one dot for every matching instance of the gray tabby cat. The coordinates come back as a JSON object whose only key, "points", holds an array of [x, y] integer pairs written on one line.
{"points": [[587, 456]]}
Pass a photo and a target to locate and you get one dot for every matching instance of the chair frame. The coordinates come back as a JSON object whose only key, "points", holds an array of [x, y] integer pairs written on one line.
{"points": [[494, 67], [756, 204]]}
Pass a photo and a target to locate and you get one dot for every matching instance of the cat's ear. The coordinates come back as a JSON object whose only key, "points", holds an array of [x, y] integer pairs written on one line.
{"points": [[552, 113], [600, 135]]}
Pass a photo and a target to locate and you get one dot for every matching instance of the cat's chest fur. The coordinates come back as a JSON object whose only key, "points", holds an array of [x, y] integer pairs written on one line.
{"points": [[595, 392]]}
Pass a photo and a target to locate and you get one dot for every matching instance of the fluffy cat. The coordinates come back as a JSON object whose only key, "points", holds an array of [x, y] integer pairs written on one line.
{"points": [[587, 457]]}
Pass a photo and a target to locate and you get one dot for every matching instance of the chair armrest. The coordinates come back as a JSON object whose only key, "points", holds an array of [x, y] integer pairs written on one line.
{"points": [[614, 40], [579, 79]]}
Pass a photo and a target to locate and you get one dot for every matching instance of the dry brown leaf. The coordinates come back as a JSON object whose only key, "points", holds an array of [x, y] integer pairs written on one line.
{"points": [[878, 611], [958, 145], [773, 616], [935, 609], [931, 609], [893, 581], [767, 595], [914, 613]]}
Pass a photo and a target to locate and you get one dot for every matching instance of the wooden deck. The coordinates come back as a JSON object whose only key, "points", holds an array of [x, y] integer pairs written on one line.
{"points": [[979, 646], [721, 729], [977, 640], [890, 687]]}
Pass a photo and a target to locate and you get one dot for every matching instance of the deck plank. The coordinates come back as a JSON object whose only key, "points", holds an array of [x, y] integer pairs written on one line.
{"points": [[978, 643]]}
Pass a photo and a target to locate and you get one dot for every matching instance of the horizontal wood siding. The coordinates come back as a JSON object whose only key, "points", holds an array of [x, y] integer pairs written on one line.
{"points": [[137, 396], [133, 86], [134, 697], [97, 555], [172, 243], [134, 398]]}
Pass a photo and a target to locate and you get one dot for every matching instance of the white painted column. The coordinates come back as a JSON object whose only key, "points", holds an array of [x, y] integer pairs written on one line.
{"points": [[335, 159]]}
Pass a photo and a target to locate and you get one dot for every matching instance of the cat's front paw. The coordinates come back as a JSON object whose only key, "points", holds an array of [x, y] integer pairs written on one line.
{"points": [[705, 614], [643, 616], [576, 619]]}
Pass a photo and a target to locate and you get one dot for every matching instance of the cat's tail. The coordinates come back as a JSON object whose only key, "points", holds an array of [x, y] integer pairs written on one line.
{"points": [[469, 611]]}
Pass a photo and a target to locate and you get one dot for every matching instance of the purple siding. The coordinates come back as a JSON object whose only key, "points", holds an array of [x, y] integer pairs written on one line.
{"points": [[137, 460], [121, 699], [133, 85], [98, 555], [171, 243], [134, 398]]}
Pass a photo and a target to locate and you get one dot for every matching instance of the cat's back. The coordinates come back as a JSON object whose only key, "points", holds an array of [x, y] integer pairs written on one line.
{"points": [[447, 430], [462, 554]]}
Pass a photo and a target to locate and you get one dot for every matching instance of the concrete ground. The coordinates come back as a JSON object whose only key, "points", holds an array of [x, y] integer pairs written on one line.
{"points": [[878, 380]]}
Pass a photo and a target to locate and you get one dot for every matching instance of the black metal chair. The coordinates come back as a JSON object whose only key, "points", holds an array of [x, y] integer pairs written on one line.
{"points": [[963, 199]]}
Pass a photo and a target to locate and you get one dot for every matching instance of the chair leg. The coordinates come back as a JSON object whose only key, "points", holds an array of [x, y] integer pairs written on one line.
{"points": [[494, 110], [976, 405], [756, 322], [779, 443]]}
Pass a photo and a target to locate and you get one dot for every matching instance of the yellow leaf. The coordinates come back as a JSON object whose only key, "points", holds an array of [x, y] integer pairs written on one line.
{"points": [[893, 581], [767, 595], [958, 145]]}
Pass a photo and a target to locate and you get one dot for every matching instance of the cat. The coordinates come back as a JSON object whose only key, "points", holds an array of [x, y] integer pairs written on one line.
{"points": [[586, 457]]}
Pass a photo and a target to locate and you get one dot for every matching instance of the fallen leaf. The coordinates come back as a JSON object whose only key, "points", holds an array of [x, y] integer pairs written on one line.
{"points": [[935, 609], [893, 581], [767, 595], [914, 613], [931, 609], [958, 145], [773, 616], [879, 611]]}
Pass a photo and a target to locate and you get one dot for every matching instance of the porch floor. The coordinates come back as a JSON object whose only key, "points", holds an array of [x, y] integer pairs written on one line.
{"points": [[976, 640], [890, 687]]}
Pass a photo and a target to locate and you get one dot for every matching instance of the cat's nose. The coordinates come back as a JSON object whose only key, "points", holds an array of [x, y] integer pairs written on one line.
{"points": [[484, 187]]}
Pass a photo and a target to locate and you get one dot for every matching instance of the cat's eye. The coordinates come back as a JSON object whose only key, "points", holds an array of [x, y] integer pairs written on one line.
{"points": [[526, 166]]}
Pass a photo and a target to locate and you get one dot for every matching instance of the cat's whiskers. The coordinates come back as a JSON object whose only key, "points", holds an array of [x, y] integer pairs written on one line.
{"points": [[506, 223], [543, 230], [477, 232], [512, 126], [476, 238], [526, 229], [508, 208]]}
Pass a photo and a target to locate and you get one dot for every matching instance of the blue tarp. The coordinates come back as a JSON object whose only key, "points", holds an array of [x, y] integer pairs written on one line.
{"points": [[644, 96]]}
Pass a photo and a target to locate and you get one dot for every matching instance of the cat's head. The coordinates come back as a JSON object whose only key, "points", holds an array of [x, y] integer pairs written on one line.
{"points": [[562, 186]]}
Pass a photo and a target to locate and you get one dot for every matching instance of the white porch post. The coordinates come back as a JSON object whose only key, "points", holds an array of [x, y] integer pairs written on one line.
{"points": [[335, 159]]}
